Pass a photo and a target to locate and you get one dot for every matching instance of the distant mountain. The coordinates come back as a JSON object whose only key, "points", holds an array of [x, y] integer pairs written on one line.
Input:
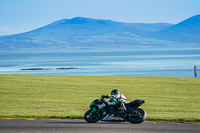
{"points": [[185, 31], [85, 32], [82, 32]]}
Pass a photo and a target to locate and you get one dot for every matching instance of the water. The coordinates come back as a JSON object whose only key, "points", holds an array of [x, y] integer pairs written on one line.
{"points": [[176, 63]]}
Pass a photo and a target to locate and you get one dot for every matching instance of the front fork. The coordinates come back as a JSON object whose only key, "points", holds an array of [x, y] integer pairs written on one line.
{"points": [[93, 111]]}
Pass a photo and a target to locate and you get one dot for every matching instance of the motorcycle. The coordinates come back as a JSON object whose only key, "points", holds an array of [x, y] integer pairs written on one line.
{"points": [[130, 112]]}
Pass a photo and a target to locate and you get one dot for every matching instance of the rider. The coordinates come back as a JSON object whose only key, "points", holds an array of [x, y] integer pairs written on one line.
{"points": [[115, 99]]}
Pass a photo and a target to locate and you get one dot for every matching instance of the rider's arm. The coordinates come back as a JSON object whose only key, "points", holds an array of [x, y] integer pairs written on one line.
{"points": [[107, 96], [111, 96]]}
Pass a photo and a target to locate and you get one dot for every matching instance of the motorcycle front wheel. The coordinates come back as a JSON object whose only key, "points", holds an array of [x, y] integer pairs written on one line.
{"points": [[92, 116], [137, 116]]}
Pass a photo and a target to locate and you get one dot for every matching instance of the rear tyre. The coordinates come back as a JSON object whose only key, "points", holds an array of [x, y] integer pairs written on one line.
{"points": [[92, 116], [137, 116]]}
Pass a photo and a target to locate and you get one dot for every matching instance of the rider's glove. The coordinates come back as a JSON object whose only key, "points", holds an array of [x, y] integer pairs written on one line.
{"points": [[104, 96]]}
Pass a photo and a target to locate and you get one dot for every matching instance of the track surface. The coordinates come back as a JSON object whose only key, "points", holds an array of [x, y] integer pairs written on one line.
{"points": [[80, 126]]}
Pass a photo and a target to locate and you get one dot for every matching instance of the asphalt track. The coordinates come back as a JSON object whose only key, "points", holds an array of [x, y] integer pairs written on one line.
{"points": [[80, 126]]}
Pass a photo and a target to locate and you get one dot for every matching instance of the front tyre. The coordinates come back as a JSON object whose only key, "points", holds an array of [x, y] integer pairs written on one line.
{"points": [[137, 116], [92, 116]]}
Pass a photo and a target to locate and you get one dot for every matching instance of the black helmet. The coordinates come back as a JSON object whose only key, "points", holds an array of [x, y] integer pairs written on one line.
{"points": [[115, 93]]}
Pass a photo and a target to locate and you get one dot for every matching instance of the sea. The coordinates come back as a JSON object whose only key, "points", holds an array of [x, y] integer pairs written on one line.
{"points": [[101, 62]]}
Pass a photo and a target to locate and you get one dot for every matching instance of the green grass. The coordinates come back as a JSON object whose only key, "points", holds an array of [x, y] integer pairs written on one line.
{"points": [[60, 96]]}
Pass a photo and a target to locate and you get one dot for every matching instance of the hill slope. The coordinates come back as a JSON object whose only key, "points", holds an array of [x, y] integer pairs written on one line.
{"points": [[185, 31], [82, 32], [85, 32]]}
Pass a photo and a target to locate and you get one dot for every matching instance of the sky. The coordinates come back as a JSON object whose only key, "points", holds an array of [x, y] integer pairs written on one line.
{"points": [[18, 16]]}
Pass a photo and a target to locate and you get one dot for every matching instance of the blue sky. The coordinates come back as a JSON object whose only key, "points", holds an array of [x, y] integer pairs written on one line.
{"points": [[17, 16]]}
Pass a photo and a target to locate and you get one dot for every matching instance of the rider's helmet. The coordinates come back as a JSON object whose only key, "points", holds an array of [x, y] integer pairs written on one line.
{"points": [[115, 93]]}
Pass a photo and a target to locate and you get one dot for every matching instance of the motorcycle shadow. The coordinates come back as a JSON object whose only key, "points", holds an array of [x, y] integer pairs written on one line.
{"points": [[84, 122]]}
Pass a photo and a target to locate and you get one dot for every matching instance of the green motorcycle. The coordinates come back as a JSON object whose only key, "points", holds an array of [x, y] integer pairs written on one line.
{"points": [[99, 110]]}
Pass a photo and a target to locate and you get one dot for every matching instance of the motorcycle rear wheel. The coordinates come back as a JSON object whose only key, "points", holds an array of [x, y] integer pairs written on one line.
{"points": [[138, 116], [92, 116]]}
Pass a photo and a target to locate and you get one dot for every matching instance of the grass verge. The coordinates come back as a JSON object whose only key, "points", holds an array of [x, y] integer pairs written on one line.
{"points": [[59, 96]]}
